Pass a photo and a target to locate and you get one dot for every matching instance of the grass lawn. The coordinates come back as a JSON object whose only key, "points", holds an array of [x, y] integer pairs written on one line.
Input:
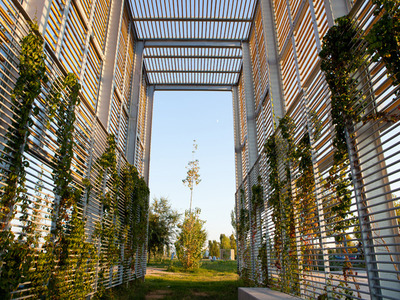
{"points": [[214, 280]]}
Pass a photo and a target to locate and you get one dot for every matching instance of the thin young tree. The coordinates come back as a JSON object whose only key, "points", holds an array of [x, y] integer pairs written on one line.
{"points": [[191, 240], [193, 176]]}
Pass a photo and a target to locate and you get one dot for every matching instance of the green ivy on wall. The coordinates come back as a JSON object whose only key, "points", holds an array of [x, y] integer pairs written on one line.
{"points": [[243, 227], [136, 195], [384, 37], [274, 200], [284, 155], [290, 265], [257, 199], [67, 247], [339, 63], [63, 264], [17, 254], [306, 201], [106, 231], [280, 151], [257, 206]]}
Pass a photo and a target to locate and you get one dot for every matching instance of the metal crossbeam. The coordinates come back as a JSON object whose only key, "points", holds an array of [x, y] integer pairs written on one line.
{"points": [[200, 43], [177, 19], [193, 35], [192, 57], [192, 87], [193, 71]]}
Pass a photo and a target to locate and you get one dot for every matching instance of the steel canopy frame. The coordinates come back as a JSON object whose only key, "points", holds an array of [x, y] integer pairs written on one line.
{"points": [[193, 45]]}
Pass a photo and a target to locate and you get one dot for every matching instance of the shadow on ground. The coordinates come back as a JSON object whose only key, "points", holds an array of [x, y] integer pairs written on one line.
{"points": [[212, 281]]}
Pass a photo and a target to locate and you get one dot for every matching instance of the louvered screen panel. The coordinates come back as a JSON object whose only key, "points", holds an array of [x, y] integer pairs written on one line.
{"points": [[101, 16], [91, 80], [54, 22]]}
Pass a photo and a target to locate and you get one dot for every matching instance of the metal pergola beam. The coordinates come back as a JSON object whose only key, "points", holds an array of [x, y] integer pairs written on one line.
{"points": [[193, 87], [185, 39], [192, 56], [192, 43], [194, 71], [188, 19]]}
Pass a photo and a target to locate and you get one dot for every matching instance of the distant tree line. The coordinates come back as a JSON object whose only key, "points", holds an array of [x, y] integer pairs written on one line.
{"points": [[225, 242]]}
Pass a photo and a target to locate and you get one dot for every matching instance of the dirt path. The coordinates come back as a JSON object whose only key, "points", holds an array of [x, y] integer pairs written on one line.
{"points": [[157, 271]]}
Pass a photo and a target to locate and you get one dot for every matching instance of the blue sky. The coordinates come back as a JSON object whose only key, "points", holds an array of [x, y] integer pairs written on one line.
{"points": [[178, 119]]}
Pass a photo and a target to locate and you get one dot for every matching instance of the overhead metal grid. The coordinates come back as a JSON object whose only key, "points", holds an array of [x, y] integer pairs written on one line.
{"points": [[194, 43]]}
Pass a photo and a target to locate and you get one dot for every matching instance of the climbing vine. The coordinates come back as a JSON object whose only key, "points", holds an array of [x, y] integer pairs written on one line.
{"points": [[129, 176], [243, 220], [66, 195], [257, 199], [274, 200], [243, 226], [257, 205], [73, 256], [290, 267], [136, 195], [305, 193], [16, 255], [106, 229], [384, 37], [263, 257], [279, 150], [339, 62]]}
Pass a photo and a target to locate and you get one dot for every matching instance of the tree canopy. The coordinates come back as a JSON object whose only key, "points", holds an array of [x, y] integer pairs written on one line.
{"points": [[213, 247], [233, 243], [162, 226], [225, 242]]}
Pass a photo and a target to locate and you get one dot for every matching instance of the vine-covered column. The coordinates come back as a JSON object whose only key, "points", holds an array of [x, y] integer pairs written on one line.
{"points": [[106, 232], [342, 56], [74, 257], [16, 254], [274, 200], [280, 149], [339, 63]]}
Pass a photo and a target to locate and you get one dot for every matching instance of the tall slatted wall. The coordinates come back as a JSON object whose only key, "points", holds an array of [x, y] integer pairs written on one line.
{"points": [[310, 262], [75, 41]]}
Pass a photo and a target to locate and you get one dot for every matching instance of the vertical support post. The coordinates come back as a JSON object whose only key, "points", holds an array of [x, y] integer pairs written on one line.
{"points": [[275, 77], [251, 132], [149, 122], [134, 102], [107, 78], [38, 9], [336, 9], [250, 105], [365, 228], [238, 146], [239, 170]]}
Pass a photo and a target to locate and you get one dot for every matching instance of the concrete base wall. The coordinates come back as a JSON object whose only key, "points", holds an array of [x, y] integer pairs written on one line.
{"points": [[262, 294]]}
